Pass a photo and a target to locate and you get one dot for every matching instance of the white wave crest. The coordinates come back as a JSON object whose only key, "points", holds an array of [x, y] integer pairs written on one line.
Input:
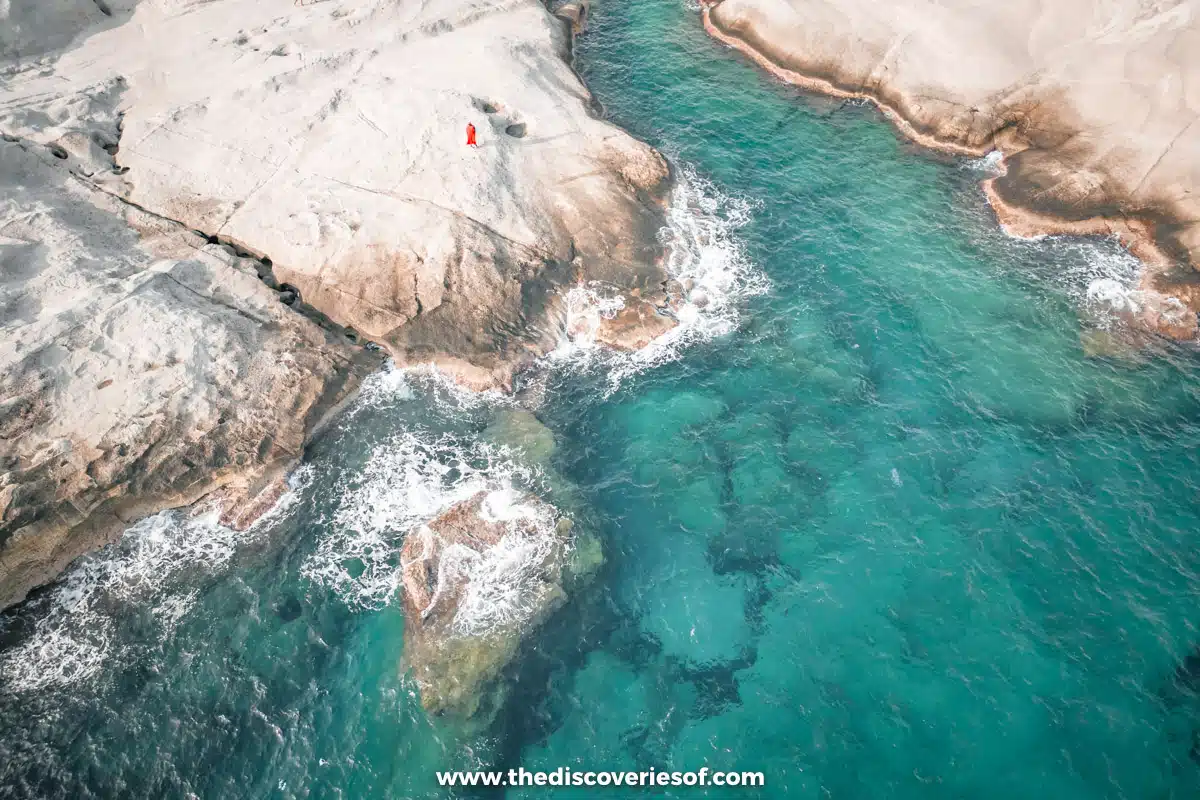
{"points": [[75, 633], [586, 307], [704, 255], [991, 164], [1100, 276], [297, 483], [407, 481], [384, 387], [505, 587], [147, 569], [1114, 295]]}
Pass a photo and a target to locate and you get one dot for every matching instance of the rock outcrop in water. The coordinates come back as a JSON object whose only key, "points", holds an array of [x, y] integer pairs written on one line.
{"points": [[482, 576], [1091, 103], [174, 169], [477, 579]]}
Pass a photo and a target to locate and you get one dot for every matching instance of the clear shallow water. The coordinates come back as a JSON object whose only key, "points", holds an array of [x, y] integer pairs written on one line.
{"points": [[891, 535]]}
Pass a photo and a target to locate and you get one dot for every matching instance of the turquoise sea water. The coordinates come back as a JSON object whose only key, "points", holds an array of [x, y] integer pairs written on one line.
{"points": [[891, 535]]}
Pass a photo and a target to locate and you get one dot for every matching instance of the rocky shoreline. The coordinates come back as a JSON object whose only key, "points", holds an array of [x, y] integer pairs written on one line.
{"points": [[1065, 170], [217, 214]]}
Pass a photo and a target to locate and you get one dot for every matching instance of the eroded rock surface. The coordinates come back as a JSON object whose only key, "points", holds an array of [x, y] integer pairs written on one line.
{"points": [[1093, 104], [140, 368], [330, 136], [477, 580], [180, 177]]}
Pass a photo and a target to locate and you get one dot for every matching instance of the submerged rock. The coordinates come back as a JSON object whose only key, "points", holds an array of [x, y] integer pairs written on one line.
{"points": [[477, 580], [521, 430]]}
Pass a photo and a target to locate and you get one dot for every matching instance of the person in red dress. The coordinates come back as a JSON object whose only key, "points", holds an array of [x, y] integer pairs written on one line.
{"points": [[471, 136]]}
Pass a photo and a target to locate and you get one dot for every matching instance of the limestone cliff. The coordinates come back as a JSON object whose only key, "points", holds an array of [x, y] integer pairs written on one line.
{"points": [[1093, 102], [331, 137], [172, 170], [140, 368]]}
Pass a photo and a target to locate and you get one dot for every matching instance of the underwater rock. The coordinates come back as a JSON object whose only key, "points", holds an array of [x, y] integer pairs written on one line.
{"points": [[521, 430], [477, 580]]}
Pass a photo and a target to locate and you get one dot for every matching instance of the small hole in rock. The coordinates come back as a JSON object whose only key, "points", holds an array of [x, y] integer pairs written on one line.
{"points": [[56, 151], [516, 130], [288, 294], [221, 420], [352, 334], [8, 137]]}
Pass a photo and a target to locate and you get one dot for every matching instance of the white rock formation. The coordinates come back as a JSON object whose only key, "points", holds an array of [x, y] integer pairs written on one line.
{"points": [[140, 368], [328, 135], [1095, 103]]}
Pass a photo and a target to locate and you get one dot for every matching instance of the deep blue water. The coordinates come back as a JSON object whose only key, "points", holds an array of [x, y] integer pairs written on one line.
{"points": [[893, 534]]}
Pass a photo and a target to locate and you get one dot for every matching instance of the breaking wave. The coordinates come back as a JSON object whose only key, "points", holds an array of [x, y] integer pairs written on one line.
{"points": [[503, 580], [705, 257], [152, 571], [408, 480], [991, 164], [1098, 275], [76, 631], [393, 384]]}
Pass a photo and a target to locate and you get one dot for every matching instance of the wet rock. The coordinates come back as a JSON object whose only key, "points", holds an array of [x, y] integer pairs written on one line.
{"points": [[242, 503], [575, 13], [1166, 316], [634, 326], [477, 580]]}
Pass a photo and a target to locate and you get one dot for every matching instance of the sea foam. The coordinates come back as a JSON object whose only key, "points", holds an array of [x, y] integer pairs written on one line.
{"points": [[153, 569], [407, 481], [703, 253]]}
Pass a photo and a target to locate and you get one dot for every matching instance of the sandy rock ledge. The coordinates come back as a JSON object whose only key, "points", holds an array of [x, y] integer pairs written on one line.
{"points": [[1089, 102]]}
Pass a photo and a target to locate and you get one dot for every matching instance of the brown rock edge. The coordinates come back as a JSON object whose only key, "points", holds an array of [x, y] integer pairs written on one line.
{"points": [[1170, 266]]}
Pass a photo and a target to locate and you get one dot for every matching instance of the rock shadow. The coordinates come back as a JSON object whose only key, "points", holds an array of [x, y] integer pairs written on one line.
{"points": [[31, 29]]}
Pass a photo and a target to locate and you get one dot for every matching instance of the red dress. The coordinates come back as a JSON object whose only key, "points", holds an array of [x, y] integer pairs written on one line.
{"points": [[471, 135]]}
